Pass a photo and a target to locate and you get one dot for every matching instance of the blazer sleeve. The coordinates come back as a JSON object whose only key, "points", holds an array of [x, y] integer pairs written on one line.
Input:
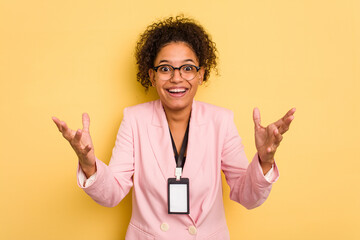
{"points": [[248, 186], [114, 182]]}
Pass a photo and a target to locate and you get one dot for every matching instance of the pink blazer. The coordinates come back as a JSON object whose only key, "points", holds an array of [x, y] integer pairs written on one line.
{"points": [[143, 158]]}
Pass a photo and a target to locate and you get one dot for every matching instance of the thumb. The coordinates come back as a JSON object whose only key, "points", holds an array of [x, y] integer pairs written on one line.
{"points": [[86, 121], [256, 117]]}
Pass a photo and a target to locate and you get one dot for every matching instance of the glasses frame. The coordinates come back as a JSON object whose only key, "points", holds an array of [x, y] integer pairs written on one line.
{"points": [[174, 68]]}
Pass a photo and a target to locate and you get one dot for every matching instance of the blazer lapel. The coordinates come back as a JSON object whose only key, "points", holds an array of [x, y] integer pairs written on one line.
{"points": [[196, 148], [160, 140]]}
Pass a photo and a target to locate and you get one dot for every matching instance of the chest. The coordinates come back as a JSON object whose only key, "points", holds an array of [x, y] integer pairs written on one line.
{"points": [[179, 134]]}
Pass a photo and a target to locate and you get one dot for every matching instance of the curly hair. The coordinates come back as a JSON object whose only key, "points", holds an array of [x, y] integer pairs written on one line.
{"points": [[178, 29]]}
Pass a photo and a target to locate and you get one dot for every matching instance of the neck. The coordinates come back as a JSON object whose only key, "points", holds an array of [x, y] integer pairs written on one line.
{"points": [[177, 117]]}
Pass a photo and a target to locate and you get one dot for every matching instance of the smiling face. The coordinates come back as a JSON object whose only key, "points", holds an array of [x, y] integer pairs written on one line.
{"points": [[176, 94]]}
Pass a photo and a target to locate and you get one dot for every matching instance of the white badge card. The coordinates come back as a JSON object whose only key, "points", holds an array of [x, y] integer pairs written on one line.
{"points": [[178, 196]]}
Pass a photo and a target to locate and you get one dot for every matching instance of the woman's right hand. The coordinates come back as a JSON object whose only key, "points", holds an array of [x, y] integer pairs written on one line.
{"points": [[81, 142]]}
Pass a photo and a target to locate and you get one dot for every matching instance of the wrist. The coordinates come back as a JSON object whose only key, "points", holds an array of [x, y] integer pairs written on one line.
{"points": [[266, 166], [89, 170], [264, 161]]}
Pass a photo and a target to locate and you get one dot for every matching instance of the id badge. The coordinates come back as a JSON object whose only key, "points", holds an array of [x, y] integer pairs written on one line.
{"points": [[178, 196]]}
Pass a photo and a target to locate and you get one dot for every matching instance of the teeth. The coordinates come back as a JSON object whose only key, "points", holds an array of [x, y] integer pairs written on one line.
{"points": [[176, 90]]}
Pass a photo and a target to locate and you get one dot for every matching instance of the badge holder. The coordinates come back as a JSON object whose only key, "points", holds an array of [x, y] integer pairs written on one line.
{"points": [[178, 195], [178, 188]]}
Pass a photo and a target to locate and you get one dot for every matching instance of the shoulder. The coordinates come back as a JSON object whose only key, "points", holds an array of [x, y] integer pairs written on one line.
{"points": [[147, 106], [208, 110], [142, 111], [219, 118], [206, 113]]}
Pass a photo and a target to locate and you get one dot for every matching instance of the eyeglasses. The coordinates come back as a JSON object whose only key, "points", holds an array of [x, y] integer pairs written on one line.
{"points": [[187, 71]]}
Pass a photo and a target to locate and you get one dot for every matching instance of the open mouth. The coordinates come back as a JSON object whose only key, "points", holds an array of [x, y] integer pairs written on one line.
{"points": [[177, 92]]}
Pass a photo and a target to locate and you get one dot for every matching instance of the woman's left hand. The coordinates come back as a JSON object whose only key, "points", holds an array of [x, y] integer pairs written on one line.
{"points": [[267, 139]]}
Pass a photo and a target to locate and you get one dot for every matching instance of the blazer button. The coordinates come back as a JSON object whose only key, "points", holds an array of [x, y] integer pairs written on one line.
{"points": [[192, 230], [164, 227]]}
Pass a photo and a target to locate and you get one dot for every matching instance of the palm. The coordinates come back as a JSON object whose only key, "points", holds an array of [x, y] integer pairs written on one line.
{"points": [[79, 140], [267, 139], [261, 139]]}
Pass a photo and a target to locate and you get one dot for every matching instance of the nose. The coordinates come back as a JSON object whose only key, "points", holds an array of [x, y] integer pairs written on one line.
{"points": [[176, 76]]}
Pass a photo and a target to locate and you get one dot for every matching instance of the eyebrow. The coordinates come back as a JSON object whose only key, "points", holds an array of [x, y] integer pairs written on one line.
{"points": [[186, 60]]}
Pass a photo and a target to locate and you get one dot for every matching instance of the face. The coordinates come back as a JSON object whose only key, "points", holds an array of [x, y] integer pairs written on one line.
{"points": [[176, 93]]}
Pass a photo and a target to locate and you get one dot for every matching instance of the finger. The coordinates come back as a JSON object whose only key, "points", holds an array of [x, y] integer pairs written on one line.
{"points": [[275, 139], [271, 137], [289, 119], [86, 122], [66, 131], [278, 137], [87, 149], [75, 143], [269, 149], [284, 123], [271, 129], [77, 137], [256, 117], [287, 115], [57, 122]]}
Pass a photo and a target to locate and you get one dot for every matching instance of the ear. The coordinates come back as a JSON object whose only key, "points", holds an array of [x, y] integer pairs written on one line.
{"points": [[152, 77], [201, 75]]}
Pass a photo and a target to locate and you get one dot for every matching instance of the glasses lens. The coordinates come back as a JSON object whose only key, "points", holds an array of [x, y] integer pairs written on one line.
{"points": [[165, 72], [188, 72]]}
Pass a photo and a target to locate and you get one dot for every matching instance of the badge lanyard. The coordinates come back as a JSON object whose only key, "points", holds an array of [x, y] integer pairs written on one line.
{"points": [[178, 188]]}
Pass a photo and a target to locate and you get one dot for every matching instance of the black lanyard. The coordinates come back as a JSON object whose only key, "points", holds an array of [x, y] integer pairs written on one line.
{"points": [[179, 158]]}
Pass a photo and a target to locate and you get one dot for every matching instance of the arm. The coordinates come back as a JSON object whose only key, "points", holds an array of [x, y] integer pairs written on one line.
{"points": [[267, 139], [107, 185], [248, 185], [83, 180], [112, 183]]}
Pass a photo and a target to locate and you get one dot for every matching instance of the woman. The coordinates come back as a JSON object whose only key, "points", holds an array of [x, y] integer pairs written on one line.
{"points": [[176, 56]]}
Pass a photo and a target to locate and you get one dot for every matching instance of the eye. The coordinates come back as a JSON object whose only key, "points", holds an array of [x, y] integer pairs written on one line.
{"points": [[165, 69], [188, 68]]}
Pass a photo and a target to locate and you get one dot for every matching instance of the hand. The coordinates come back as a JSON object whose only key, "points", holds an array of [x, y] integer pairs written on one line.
{"points": [[267, 139], [81, 142]]}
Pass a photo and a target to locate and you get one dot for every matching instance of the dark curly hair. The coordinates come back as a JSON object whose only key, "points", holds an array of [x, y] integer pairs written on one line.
{"points": [[178, 29]]}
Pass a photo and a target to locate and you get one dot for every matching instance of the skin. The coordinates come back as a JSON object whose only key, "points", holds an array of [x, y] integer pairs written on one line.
{"points": [[81, 142], [267, 139], [177, 110]]}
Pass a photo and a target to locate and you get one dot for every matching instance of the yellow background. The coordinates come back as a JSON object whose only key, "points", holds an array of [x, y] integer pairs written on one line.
{"points": [[62, 58]]}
